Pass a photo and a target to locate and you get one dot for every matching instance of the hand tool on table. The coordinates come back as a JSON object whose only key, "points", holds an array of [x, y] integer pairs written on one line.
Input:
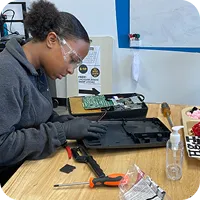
{"points": [[167, 112], [110, 180], [68, 149], [80, 155]]}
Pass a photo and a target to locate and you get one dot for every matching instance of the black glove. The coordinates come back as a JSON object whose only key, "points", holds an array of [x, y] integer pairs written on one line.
{"points": [[80, 128], [63, 118]]}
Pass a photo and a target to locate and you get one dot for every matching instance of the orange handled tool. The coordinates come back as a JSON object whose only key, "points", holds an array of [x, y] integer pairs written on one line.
{"points": [[166, 112], [110, 180]]}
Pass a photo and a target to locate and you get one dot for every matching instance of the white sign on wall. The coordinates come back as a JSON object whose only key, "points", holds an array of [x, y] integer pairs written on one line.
{"points": [[89, 73]]}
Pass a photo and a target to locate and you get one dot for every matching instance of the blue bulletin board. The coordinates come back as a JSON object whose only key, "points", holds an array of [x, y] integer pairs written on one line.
{"points": [[123, 28]]}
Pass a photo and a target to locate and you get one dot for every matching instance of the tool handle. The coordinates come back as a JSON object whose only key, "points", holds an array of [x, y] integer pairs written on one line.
{"points": [[110, 180], [77, 156], [95, 167], [165, 109], [84, 157], [69, 152]]}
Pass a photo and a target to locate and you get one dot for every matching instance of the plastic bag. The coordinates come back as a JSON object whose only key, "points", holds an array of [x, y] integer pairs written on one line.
{"points": [[137, 186]]}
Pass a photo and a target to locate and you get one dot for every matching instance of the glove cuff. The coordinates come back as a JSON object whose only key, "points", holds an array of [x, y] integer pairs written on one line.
{"points": [[61, 132]]}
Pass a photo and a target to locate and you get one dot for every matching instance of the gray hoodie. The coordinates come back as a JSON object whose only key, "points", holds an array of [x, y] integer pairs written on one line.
{"points": [[25, 108]]}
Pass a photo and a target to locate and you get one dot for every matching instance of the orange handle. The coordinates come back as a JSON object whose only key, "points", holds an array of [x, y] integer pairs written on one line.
{"points": [[110, 180], [165, 109]]}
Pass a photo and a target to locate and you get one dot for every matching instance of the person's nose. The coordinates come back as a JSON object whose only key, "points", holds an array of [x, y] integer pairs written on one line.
{"points": [[70, 70]]}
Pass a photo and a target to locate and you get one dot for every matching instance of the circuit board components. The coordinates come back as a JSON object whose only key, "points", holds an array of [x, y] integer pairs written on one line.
{"points": [[113, 102]]}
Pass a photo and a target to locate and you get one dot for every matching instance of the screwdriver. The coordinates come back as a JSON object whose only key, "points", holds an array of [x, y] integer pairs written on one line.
{"points": [[166, 112], [110, 180]]}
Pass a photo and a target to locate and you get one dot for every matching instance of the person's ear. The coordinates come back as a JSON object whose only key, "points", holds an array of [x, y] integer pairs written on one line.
{"points": [[51, 40]]}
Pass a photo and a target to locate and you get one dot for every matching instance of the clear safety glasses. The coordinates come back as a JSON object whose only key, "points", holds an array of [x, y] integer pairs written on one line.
{"points": [[68, 51]]}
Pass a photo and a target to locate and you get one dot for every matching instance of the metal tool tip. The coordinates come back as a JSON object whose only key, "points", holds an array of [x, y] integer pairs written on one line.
{"points": [[57, 185]]}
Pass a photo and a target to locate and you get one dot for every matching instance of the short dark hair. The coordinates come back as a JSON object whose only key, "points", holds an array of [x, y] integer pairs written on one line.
{"points": [[43, 17]]}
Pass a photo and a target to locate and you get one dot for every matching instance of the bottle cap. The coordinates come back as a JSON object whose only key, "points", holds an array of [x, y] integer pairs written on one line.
{"points": [[175, 136]]}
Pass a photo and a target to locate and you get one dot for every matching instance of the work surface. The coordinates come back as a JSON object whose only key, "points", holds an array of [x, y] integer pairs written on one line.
{"points": [[34, 180]]}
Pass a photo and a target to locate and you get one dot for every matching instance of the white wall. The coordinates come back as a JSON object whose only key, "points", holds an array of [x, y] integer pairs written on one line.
{"points": [[164, 76]]}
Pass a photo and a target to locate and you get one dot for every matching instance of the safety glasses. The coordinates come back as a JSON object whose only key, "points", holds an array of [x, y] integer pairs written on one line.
{"points": [[68, 51]]}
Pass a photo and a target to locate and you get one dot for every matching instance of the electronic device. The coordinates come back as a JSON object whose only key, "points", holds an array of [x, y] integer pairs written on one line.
{"points": [[108, 106], [116, 102]]}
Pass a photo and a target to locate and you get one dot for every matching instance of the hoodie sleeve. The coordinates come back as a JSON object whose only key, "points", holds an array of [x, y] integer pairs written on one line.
{"points": [[31, 143], [53, 116]]}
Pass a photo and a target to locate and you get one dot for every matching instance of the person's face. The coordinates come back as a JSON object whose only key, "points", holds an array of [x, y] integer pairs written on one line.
{"points": [[62, 57]]}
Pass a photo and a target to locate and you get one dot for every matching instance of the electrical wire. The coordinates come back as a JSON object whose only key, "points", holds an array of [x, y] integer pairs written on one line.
{"points": [[102, 116], [11, 18], [140, 96]]}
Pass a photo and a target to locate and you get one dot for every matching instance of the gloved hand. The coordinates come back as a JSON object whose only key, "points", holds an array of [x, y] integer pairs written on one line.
{"points": [[63, 118], [80, 128]]}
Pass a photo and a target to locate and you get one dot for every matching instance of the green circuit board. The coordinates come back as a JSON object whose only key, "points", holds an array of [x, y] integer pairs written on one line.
{"points": [[93, 102]]}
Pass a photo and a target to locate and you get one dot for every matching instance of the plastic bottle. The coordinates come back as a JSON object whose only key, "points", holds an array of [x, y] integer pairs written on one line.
{"points": [[174, 155]]}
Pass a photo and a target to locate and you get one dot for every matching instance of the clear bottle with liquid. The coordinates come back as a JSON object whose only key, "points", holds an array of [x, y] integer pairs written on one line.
{"points": [[174, 155]]}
